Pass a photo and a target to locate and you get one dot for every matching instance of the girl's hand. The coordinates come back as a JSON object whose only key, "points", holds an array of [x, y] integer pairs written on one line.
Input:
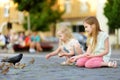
{"points": [[86, 54], [48, 56], [61, 54], [73, 59], [90, 55]]}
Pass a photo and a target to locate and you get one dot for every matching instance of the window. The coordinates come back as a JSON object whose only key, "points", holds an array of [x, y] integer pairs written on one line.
{"points": [[67, 6], [6, 10], [78, 28], [83, 6], [9, 25]]}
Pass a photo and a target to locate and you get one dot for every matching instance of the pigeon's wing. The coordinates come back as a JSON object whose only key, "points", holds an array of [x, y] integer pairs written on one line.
{"points": [[13, 59], [16, 58]]}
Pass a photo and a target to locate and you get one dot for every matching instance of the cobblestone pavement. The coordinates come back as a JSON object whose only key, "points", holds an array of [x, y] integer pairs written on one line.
{"points": [[51, 69]]}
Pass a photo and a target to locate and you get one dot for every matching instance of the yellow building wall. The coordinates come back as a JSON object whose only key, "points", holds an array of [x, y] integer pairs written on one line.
{"points": [[75, 9], [13, 17], [74, 14]]}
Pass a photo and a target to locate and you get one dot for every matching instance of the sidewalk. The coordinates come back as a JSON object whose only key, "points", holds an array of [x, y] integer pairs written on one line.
{"points": [[51, 69], [115, 55]]}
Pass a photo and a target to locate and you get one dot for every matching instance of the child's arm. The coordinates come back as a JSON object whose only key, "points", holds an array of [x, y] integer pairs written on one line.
{"points": [[53, 53], [74, 58], [88, 50], [106, 51]]}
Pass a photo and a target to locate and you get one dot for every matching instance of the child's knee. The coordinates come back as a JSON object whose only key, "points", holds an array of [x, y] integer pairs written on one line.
{"points": [[92, 65], [80, 63], [88, 65]]}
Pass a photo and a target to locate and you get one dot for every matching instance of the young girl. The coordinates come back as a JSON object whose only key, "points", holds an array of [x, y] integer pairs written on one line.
{"points": [[68, 46], [99, 51]]}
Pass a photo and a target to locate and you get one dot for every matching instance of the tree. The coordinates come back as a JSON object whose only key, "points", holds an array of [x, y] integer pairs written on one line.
{"points": [[112, 13], [42, 13]]}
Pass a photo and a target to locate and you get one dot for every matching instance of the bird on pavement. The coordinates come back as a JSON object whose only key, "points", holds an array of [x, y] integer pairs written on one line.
{"points": [[14, 59], [9, 65], [2, 65], [21, 66], [32, 61], [17, 65], [5, 70]]}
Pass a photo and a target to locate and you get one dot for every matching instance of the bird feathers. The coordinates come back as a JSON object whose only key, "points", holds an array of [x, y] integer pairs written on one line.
{"points": [[14, 59]]}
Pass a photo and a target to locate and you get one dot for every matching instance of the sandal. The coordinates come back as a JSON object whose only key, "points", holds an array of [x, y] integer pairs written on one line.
{"points": [[63, 63], [66, 63], [112, 64]]}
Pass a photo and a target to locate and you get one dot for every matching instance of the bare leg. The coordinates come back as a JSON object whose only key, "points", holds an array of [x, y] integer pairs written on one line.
{"points": [[104, 64], [110, 64], [32, 45], [38, 46]]}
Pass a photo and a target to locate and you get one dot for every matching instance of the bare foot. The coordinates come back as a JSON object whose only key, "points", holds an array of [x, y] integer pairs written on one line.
{"points": [[112, 64]]}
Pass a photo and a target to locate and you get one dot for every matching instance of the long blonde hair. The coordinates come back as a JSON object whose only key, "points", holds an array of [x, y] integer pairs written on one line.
{"points": [[66, 31], [95, 30]]}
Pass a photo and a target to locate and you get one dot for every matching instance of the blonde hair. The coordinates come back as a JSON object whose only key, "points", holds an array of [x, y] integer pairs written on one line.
{"points": [[66, 32], [96, 28]]}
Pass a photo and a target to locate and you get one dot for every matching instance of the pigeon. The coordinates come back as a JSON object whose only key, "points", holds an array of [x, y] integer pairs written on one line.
{"points": [[32, 61], [2, 65], [14, 59], [17, 65], [9, 65], [21, 66], [5, 71]]}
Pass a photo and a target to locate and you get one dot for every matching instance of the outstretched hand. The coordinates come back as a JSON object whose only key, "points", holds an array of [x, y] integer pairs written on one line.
{"points": [[47, 56], [61, 54]]}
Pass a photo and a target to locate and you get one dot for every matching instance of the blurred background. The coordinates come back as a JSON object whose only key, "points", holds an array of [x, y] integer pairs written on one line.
{"points": [[45, 16]]}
